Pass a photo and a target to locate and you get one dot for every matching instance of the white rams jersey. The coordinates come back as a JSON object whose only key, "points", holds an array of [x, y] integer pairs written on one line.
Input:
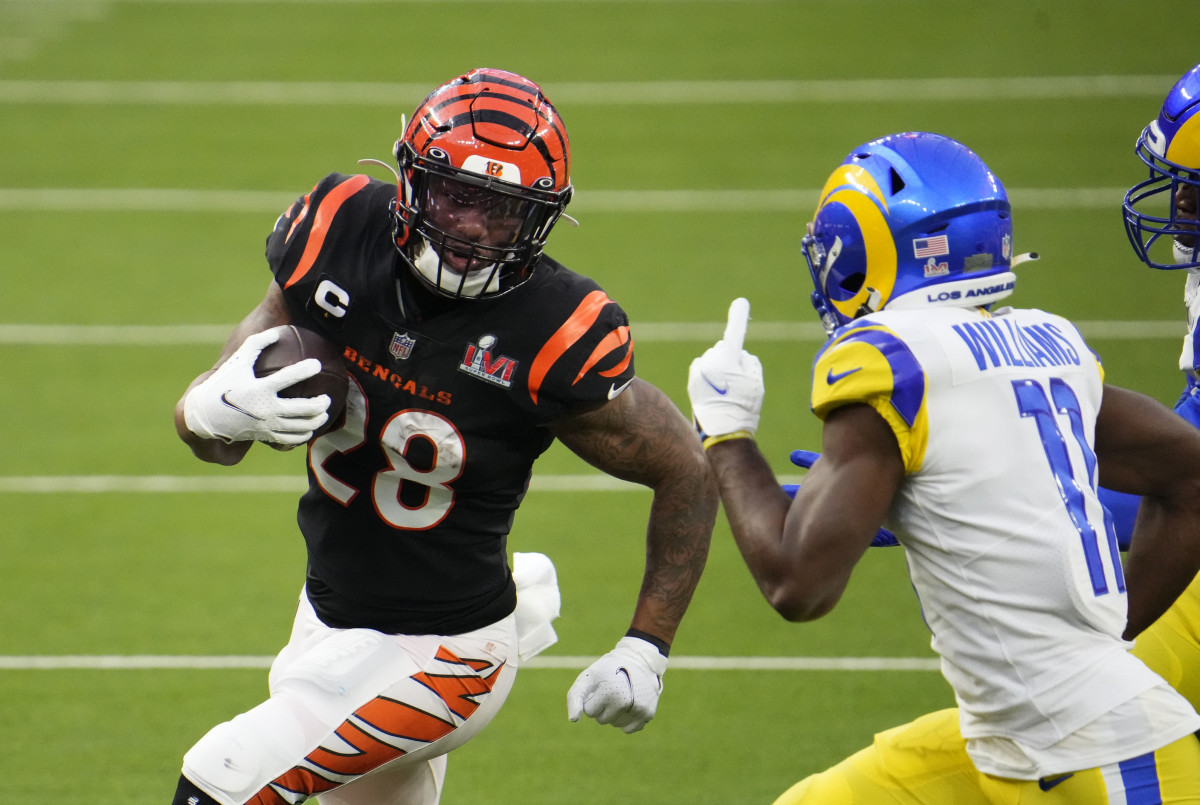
{"points": [[1012, 555]]}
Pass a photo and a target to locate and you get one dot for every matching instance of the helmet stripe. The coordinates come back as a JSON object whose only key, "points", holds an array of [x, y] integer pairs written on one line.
{"points": [[551, 119], [512, 123], [1184, 148], [540, 145], [489, 77], [496, 117], [539, 104]]}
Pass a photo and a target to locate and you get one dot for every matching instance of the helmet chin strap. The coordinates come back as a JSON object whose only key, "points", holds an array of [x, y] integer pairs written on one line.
{"points": [[871, 305], [479, 282], [1183, 254]]}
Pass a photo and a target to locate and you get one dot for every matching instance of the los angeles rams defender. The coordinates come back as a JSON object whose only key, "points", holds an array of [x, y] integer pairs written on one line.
{"points": [[978, 436], [1160, 220], [469, 352]]}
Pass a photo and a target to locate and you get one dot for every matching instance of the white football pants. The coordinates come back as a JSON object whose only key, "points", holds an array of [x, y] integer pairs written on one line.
{"points": [[356, 716]]}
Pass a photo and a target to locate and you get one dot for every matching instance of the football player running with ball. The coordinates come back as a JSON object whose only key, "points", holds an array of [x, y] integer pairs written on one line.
{"points": [[978, 436], [469, 351]]}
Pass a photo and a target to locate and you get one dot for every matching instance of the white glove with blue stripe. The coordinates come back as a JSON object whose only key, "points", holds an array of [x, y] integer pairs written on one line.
{"points": [[725, 384]]}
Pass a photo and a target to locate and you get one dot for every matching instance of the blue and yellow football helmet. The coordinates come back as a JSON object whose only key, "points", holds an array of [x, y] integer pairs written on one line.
{"points": [[1164, 205], [907, 221]]}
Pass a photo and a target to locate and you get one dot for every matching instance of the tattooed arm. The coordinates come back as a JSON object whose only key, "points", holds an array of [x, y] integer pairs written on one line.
{"points": [[642, 437]]}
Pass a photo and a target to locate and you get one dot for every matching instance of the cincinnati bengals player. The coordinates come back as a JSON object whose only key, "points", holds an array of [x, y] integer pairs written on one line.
{"points": [[469, 351]]}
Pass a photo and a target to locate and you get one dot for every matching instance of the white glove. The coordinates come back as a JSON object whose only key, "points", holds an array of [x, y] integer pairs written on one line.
{"points": [[725, 384], [622, 687], [233, 405]]}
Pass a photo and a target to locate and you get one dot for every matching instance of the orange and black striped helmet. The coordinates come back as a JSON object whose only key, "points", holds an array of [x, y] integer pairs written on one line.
{"points": [[484, 176]]}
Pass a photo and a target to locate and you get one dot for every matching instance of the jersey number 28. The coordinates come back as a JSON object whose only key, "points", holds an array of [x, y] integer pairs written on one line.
{"points": [[396, 439]]}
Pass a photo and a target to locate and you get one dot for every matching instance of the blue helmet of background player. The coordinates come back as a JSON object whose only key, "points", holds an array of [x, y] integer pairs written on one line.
{"points": [[908, 221], [1164, 205]]}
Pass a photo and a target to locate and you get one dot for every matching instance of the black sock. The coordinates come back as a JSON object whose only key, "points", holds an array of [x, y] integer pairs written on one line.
{"points": [[188, 794]]}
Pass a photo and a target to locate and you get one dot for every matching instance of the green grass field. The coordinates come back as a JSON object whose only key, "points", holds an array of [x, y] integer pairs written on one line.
{"points": [[146, 148]]}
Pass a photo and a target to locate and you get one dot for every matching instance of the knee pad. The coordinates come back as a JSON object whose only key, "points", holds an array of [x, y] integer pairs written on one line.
{"points": [[223, 763], [237, 758]]}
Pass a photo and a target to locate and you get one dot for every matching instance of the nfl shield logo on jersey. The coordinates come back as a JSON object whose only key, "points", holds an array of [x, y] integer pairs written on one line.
{"points": [[401, 346]]}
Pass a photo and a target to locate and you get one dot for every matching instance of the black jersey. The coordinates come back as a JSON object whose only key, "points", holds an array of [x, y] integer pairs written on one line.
{"points": [[410, 502]]}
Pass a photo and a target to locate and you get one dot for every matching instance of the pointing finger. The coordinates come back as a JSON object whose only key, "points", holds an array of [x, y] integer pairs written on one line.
{"points": [[735, 327]]}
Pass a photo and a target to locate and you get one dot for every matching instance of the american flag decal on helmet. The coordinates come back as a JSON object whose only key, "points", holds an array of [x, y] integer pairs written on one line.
{"points": [[935, 246]]}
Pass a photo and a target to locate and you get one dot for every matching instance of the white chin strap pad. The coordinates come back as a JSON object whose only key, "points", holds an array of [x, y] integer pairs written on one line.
{"points": [[1184, 254], [482, 281]]}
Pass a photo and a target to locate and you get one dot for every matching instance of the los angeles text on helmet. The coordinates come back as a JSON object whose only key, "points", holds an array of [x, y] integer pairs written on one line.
{"points": [[941, 297], [998, 342]]}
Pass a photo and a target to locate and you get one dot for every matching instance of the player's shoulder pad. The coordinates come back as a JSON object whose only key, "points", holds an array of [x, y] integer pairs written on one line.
{"points": [[870, 364], [339, 200], [587, 353]]}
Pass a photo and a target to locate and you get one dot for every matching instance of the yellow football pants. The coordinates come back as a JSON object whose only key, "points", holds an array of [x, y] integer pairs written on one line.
{"points": [[926, 762]]}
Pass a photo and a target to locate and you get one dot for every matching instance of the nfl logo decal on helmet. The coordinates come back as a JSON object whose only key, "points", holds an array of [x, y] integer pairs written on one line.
{"points": [[1164, 205], [484, 176], [910, 220]]}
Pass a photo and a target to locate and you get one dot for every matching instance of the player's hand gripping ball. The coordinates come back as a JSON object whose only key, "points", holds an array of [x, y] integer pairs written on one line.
{"points": [[296, 344], [261, 392]]}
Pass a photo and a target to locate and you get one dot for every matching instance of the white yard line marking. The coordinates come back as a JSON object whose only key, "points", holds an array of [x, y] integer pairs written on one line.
{"points": [[600, 93], [227, 662]]}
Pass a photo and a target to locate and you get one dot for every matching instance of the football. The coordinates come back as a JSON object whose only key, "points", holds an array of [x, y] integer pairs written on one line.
{"points": [[296, 344]]}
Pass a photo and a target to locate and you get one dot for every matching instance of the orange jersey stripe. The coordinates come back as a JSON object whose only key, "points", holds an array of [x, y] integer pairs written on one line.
{"points": [[570, 332], [303, 214], [609, 344], [321, 220]]}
